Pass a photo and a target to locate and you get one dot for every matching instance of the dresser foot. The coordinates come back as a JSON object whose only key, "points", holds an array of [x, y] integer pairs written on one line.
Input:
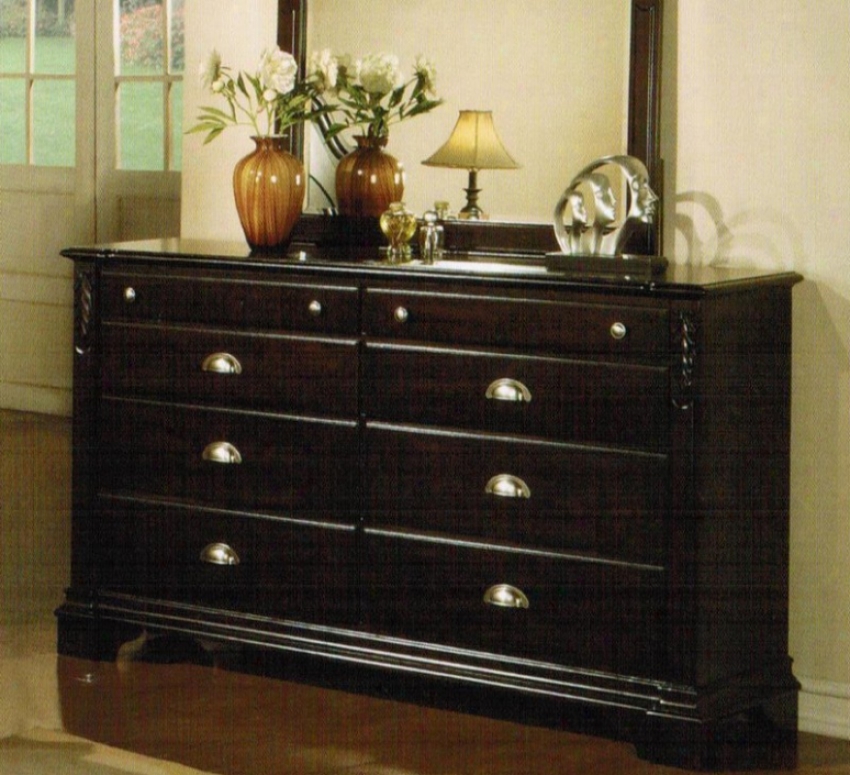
{"points": [[764, 737], [89, 637]]}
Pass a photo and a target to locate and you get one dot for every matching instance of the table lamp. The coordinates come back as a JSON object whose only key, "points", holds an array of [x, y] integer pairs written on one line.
{"points": [[473, 145]]}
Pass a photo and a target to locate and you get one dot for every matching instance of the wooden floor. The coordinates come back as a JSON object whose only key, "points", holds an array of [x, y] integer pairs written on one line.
{"points": [[222, 721], [235, 723]]}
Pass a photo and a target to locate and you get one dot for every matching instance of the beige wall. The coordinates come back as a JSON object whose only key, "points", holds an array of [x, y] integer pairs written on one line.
{"points": [[758, 140], [239, 30], [757, 143]]}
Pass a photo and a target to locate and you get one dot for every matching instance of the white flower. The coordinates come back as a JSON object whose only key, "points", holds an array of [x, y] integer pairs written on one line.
{"points": [[324, 66], [424, 69], [210, 70], [277, 71], [380, 73]]}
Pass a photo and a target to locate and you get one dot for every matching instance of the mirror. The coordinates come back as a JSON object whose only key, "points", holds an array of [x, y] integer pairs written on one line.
{"points": [[568, 81]]}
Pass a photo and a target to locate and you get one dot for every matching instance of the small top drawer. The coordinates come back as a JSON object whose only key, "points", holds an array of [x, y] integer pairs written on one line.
{"points": [[535, 324], [140, 297]]}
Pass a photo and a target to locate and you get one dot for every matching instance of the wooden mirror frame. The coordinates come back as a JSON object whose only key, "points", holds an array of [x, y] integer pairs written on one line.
{"points": [[643, 135]]}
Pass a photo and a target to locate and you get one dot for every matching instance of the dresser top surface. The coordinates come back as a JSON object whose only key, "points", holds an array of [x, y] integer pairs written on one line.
{"points": [[368, 262]]}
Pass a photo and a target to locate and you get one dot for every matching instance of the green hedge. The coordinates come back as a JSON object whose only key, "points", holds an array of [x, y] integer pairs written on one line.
{"points": [[13, 20]]}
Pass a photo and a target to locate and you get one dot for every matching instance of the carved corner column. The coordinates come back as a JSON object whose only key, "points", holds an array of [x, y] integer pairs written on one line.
{"points": [[86, 391], [684, 387]]}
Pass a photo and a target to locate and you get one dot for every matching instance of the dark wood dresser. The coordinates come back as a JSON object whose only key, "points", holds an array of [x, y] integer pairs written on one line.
{"points": [[566, 487]]}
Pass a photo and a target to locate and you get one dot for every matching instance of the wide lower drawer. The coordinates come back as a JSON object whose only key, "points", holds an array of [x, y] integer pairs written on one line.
{"points": [[623, 403], [582, 614], [214, 300], [219, 458], [551, 496], [530, 324], [284, 373], [255, 565]]}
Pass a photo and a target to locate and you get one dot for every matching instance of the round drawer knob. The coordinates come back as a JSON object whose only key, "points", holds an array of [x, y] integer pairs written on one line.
{"points": [[401, 314], [618, 330], [315, 308], [129, 294]]}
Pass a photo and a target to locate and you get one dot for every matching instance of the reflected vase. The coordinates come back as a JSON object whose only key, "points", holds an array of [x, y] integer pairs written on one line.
{"points": [[269, 187], [368, 179]]}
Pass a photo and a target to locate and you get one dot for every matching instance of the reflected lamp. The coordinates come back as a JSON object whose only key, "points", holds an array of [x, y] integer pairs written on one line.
{"points": [[473, 145]]}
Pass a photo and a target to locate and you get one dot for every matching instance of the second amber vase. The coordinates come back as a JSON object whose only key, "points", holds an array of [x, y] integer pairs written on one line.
{"points": [[368, 179], [269, 186]]}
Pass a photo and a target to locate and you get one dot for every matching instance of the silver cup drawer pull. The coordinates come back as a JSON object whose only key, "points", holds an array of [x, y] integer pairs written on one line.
{"points": [[221, 363], [219, 554], [221, 452], [505, 596], [507, 486], [507, 390]]}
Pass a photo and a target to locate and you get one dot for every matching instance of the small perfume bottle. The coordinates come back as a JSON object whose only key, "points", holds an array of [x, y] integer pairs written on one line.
{"points": [[430, 238], [398, 225], [442, 209]]}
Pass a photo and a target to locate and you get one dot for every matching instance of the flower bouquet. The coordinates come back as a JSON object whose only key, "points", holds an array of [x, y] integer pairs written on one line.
{"points": [[369, 95], [269, 183]]}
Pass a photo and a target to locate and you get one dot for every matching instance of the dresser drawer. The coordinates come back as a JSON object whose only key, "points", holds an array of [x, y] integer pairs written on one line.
{"points": [[527, 324], [229, 459], [256, 565], [537, 495], [571, 400], [130, 296], [593, 615], [266, 371]]}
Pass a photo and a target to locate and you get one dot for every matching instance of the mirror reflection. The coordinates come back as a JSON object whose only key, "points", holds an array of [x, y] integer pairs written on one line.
{"points": [[554, 73]]}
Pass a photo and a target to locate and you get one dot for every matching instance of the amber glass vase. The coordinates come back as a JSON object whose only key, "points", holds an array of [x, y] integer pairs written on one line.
{"points": [[368, 179], [269, 187]]}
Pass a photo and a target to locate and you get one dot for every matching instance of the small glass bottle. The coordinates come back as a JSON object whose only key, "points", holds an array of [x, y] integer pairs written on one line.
{"points": [[398, 225], [430, 238], [442, 209]]}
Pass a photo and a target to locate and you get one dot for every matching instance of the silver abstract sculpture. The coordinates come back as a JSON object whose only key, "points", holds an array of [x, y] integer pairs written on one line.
{"points": [[610, 227]]}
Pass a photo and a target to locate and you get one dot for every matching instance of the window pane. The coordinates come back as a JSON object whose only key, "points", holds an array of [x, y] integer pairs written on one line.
{"points": [[177, 38], [13, 125], [54, 40], [13, 36], [53, 131], [142, 37], [177, 126], [141, 126]]}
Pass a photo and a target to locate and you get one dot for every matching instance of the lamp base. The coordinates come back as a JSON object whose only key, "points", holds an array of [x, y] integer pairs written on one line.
{"points": [[472, 212]]}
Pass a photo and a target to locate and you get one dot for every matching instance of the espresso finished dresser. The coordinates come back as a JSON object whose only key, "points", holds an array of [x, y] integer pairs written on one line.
{"points": [[482, 472]]}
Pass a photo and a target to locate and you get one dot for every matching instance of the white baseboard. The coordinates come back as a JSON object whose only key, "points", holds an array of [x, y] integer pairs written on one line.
{"points": [[824, 708]]}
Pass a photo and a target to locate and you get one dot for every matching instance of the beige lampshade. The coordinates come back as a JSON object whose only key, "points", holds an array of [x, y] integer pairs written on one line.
{"points": [[473, 145]]}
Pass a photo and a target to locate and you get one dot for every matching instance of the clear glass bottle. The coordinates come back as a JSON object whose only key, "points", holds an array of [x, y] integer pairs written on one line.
{"points": [[431, 238]]}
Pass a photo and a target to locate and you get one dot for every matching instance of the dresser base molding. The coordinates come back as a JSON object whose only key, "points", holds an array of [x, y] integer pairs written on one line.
{"points": [[747, 723]]}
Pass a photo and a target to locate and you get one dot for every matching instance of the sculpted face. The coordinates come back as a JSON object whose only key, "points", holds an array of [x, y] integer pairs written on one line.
{"points": [[605, 205], [578, 211], [644, 200]]}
